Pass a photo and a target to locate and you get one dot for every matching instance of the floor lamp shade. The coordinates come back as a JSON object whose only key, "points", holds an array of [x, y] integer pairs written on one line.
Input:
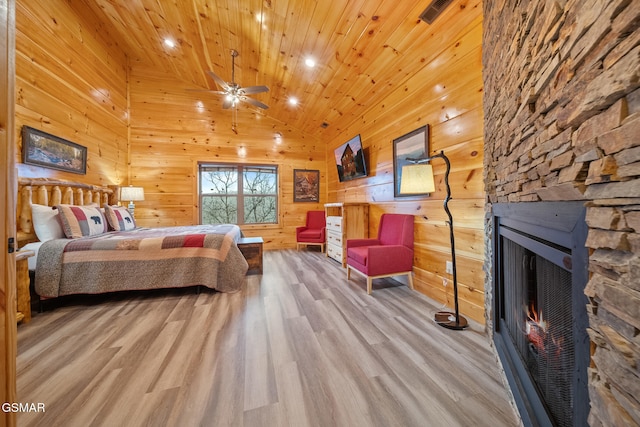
{"points": [[417, 179]]}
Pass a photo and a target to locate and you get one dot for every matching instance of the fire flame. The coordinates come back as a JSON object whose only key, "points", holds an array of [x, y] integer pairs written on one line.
{"points": [[538, 331]]}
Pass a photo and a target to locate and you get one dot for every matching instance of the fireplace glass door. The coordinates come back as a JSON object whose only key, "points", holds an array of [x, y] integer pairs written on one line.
{"points": [[538, 320], [539, 263]]}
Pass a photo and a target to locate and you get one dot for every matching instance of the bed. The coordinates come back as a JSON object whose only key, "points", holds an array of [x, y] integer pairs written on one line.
{"points": [[90, 245]]}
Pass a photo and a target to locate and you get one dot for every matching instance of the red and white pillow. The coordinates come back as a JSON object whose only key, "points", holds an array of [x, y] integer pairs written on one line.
{"points": [[81, 221], [119, 218]]}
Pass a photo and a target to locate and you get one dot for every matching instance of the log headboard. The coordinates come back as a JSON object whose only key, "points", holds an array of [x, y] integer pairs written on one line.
{"points": [[50, 192]]}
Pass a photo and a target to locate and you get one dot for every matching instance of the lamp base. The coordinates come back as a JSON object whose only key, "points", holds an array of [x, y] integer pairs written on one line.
{"points": [[446, 319]]}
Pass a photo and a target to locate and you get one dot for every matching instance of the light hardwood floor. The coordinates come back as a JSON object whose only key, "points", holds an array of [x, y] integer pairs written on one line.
{"points": [[300, 346]]}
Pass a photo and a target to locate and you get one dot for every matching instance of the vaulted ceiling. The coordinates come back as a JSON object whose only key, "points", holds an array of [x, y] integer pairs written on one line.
{"points": [[363, 49]]}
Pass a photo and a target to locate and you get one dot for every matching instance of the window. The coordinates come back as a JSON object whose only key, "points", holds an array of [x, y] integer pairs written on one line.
{"points": [[238, 194]]}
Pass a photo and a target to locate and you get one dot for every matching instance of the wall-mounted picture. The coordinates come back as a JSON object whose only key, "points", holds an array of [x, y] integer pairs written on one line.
{"points": [[350, 160], [413, 145], [49, 151], [306, 185]]}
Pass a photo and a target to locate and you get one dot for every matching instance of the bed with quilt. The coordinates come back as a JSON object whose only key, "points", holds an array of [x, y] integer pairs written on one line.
{"points": [[93, 248]]}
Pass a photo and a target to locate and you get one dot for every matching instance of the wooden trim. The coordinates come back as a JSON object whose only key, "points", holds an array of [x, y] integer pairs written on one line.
{"points": [[8, 329]]}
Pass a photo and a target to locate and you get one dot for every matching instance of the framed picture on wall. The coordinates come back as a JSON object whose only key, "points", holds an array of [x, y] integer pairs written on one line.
{"points": [[413, 145], [306, 185], [42, 149]]}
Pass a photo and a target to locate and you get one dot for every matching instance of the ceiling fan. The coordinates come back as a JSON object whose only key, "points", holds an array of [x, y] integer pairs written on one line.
{"points": [[234, 93]]}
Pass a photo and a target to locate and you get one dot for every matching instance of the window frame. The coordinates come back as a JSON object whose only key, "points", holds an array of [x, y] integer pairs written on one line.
{"points": [[240, 194]]}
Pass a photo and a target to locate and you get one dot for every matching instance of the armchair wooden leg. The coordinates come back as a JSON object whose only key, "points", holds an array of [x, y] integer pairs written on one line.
{"points": [[348, 272], [369, 285], [410, 279]]}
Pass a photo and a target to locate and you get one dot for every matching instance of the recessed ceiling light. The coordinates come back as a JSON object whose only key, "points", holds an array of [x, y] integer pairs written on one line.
{"points": [[169, 43], [310, 62], [293, 101]]}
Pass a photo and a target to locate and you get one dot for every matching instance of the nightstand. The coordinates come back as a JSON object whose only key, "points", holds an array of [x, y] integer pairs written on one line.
{"points": [[251, 248]]}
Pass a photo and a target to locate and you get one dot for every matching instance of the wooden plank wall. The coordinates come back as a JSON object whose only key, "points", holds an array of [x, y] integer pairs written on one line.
{"points": [[173, 129], [143, 127], [71, 81], [447, 95]]}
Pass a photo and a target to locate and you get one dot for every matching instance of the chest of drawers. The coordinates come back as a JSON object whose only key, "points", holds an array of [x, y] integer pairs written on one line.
{"points": [[345, 221]]}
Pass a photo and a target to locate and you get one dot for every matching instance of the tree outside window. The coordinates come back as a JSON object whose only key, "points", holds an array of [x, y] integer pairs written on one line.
{"points": [[238, 194]]}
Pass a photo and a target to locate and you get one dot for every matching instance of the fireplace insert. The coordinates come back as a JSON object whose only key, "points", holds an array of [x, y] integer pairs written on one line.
{"points": [[540, 327]]}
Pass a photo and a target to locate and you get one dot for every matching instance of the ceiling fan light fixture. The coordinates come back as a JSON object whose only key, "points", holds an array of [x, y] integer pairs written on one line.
{"points": [[234, 94]]}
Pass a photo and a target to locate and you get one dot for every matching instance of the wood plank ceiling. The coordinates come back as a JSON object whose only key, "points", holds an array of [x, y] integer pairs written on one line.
{"points": [[363, 49]]}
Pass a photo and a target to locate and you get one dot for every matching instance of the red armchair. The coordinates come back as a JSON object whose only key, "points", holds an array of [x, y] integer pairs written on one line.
{"points": [[391, 254], [314, 232]]}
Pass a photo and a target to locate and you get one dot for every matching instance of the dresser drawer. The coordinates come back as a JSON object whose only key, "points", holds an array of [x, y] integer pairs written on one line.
{"points": [[335, 252], [334, 223], [334, 238]]}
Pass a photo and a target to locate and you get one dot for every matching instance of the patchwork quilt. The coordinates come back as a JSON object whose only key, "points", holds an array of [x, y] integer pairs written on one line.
{"points": [[143, 258]]}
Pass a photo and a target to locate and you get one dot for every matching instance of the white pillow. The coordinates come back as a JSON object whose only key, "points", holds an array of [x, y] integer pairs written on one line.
{"points": [[45, 223]]}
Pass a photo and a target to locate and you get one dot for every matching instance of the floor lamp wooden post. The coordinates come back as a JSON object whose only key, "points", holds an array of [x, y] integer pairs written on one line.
{"points": [[417, 178]]}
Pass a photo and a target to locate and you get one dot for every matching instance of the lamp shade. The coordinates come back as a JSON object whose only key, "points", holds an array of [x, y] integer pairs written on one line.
{"points": [[131, 193], [417, 179]]}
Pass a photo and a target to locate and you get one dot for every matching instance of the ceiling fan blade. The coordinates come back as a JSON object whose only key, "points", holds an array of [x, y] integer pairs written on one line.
{"points": [[218, 92], [219, 81], [249, 90], [255, 102]]}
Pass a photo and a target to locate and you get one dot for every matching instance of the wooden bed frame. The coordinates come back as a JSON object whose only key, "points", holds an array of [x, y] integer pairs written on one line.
{"points": [[50, 192]]}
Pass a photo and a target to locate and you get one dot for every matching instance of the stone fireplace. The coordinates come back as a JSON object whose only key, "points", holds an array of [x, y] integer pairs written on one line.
{"points": [[562, 124]]}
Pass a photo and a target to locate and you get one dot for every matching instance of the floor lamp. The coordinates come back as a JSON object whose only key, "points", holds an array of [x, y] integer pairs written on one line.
{"points": [[417, 178]]}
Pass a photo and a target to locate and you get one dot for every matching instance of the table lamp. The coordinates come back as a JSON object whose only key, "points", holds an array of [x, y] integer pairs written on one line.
{"points": [[132, 194]]}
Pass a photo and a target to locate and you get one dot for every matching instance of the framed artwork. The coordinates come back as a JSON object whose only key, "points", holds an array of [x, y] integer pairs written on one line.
{"points": [[413, 145], [350, 160], [49, 151], [306, 185]]}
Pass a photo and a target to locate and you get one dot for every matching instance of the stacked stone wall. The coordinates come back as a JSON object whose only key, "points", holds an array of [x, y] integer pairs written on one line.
{"points": [[562, 122]]}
